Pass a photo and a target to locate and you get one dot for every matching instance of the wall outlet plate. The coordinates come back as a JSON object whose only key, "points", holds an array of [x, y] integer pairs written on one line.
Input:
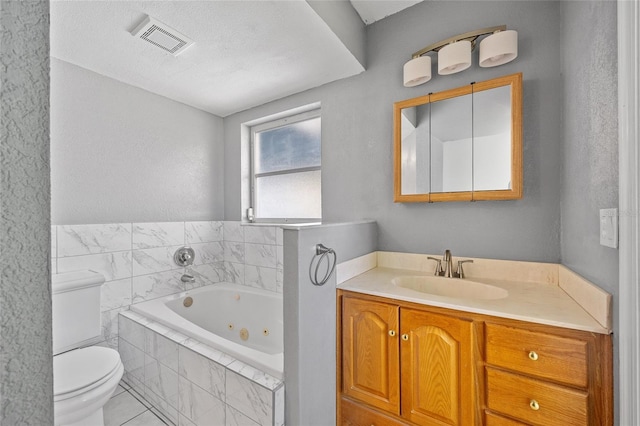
{"points": [[609, 227]]}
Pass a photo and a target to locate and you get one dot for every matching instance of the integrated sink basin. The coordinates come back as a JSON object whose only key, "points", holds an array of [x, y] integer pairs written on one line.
{"points": [[450, 287]]}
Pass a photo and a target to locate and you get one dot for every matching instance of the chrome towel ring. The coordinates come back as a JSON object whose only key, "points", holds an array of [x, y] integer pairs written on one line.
{"points": [[322, 253]]}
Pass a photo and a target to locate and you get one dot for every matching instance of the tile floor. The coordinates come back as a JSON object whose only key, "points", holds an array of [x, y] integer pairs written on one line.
{"points": [[125, 409]]}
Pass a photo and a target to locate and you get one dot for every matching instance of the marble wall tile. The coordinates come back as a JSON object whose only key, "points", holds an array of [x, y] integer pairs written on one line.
{"points": [[114, 265], [161, 380], [133, 361], [208, 252], [162, 349], [251, 399], [209, 352], [203, 232], [115, 294], [208, 375], [207, 274], [259, 277], [145, 251], [260, 255], [147, 287], [183, 421], [279, 236], [204, 383], [234, 251], [199, 406], [234, 272], [110, 323], [260, 234], [132, 332], [77, 240], [278, 409], [233, 231], [236, 418], [254, 375], [159, 259], [279, 280], [158, 234], [280, 257]]}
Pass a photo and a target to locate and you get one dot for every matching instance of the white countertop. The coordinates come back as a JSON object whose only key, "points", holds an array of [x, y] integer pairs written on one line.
{"points": [[535, 302]]}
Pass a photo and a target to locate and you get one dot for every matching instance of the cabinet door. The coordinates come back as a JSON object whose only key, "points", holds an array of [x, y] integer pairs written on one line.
{"points": [[438, 386], [355, 414], [370, 360]]}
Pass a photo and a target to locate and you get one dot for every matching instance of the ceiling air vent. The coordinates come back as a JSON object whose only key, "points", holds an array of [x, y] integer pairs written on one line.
{"points": [[162, 36]]}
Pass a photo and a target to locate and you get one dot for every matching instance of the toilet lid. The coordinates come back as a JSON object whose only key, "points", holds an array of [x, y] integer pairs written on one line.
{"points": [[80, 368]]}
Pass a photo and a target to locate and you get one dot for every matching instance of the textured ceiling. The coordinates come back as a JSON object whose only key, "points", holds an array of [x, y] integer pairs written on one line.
{"points": [[246, 53]]}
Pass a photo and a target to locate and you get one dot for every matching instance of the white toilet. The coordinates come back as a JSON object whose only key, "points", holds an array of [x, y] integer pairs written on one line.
{"points": [[83, 379]]}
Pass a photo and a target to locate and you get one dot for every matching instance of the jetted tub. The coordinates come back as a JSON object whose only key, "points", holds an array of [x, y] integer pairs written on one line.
{"points": [[241, 321]]}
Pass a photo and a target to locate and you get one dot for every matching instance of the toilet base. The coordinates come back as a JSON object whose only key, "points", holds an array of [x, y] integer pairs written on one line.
{"points": [[94, 419]]}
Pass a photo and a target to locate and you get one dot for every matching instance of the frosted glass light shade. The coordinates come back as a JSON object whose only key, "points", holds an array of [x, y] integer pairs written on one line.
{"points": [[499, 48], [454, 57], [417, 71]]}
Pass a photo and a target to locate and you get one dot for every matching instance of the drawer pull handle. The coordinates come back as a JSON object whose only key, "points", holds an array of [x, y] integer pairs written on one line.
{"points": [[533, 356], [392, 333], [405, 337], [534, 405]]}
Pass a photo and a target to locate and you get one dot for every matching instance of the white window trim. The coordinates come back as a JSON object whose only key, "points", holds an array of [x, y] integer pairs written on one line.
{"points": [[269, 125]]}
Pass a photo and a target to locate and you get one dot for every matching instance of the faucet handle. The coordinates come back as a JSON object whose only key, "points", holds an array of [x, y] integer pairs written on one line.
{"points": [[460, 271], [438, 265]]}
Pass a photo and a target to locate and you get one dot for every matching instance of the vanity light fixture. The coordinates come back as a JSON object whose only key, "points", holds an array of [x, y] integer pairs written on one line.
{"points": [[454, 54]]}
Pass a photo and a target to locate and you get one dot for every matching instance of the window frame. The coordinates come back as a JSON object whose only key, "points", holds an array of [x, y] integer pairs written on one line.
{"points": [[271, 125]]}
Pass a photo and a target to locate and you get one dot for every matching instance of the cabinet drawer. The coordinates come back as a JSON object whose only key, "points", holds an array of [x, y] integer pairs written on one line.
{"points": [[353, 414], [534, 401], [543, 355], [491, 419]]}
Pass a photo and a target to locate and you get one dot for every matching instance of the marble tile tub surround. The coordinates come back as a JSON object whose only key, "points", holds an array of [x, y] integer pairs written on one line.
{"points": [[137, 259], [193, 384], [590, 297], [253, 255]]}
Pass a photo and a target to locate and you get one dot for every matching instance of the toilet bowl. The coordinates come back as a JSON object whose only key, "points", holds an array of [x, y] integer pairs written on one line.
{"points": [[84, 377], [84, 380]]}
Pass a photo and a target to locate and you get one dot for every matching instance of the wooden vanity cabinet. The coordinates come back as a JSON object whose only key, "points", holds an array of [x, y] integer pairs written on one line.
{"points": [[403, 363], [371, 354], [548, 376], [414, 365]]}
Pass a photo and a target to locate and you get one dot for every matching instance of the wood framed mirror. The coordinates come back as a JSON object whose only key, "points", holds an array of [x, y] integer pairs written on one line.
{"points": [[463, 144]]}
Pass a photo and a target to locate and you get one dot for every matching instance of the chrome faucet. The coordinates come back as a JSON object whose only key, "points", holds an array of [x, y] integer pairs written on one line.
{"points": [[448, 266], [447, 270]]}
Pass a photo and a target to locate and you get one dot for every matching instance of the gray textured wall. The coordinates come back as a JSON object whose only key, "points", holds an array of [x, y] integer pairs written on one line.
{"points": [[26, 378], [310, 319], [590, 139], [357, 175], [590, 144], [122, 154]]}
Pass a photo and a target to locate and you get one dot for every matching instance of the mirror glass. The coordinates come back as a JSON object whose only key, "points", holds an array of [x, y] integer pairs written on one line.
{"points": [[461, 144], [492, 139], [416, 158], [451, 144]]}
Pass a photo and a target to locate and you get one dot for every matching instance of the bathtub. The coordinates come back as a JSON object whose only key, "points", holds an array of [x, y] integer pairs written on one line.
{"points": [[241, 321]]}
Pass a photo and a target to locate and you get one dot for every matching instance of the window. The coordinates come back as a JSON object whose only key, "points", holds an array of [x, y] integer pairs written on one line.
{"points": [[285, 169]]}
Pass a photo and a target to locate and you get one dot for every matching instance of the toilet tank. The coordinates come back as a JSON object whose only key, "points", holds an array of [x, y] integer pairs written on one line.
{"points": [[75, 309]]}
